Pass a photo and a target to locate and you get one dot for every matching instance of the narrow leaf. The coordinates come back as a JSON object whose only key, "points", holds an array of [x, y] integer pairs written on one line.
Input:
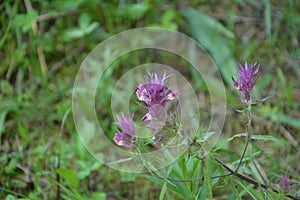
{"points": [[236, 135], [207, 176], [215, 39], [268, 137], [163, 191]]}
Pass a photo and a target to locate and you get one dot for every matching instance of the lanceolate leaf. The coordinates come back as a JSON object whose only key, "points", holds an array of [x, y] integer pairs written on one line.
{"points": [[163, 191], [207, 175], [268, 137], [213, 36]]}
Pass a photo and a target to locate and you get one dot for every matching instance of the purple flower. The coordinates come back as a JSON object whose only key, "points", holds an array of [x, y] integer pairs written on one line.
{"points": [[285, 183], [154, 92], [246, 81], [125, 137]]}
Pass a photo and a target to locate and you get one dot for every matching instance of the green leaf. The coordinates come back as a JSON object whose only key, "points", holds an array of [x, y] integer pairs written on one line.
{"points": [[196, 173], [268, 22], [10, 168], [24, 21], [84, 21], [91, 27], [73, 33], [250, 190], [236, 136], [6, 88], [278, 116], [169, 19], [163, 191], [235, 192], [71, 193], [134, 11], [288, 120], [207, 170], [66, 4], [9, 197], [206, 137], [70, 176], [202, 193], [127, 177], [210, 34], [86, 167], [161, 182], [2, 121], [23, 132], [120, 161], [98, 196], [255, 173], [268, 137], [281, 77], [190, 165]]}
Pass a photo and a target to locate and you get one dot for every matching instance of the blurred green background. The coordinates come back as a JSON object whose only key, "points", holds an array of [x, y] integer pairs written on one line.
{"points": [[44, 42]]}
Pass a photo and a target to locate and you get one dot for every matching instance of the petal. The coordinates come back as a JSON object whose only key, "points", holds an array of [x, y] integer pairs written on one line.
{"points": [[154, 139], [122, 139], [171, 96], [118, 139], [140, 92], [235, 83], [256, 70], [246, 66], [241, 66], [146, 117]]}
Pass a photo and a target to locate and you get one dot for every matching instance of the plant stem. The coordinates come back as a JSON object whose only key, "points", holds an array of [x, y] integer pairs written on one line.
{"points": [[248, 131], [243, 154], [249, 180], [260, 174]]}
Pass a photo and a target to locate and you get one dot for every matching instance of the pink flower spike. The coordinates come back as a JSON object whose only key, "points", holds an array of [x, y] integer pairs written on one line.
{"points": [[246, 80]]}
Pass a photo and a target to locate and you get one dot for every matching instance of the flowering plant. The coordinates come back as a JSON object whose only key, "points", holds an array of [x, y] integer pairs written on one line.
{"points": [[155, 95]]}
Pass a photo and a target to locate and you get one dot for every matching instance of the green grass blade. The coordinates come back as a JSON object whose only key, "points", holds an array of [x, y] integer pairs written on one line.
{"points": [[163, 191], [207, 170]]}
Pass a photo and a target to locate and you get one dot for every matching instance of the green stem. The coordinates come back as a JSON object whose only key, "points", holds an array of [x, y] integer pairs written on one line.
{"points": [[248, 131]]}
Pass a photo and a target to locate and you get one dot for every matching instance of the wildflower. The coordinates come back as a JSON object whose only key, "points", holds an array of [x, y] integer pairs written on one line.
{"points": [[285, 183], [154, 92], [125, 137], [246, 81]]}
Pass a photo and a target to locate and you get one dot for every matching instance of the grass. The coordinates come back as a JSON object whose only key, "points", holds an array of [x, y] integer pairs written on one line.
{"points": [[41, 155]]}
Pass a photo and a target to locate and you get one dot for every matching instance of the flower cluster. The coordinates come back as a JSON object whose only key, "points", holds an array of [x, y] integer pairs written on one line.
{"points": [[125, 137], [154, 94], [246, 81], [285, 183]]}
